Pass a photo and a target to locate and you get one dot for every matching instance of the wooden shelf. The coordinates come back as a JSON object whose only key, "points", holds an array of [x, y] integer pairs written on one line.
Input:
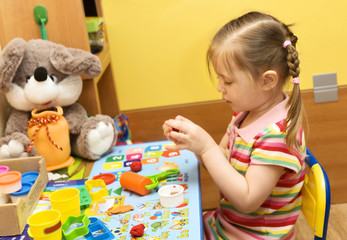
{"points": [[99, 94]]}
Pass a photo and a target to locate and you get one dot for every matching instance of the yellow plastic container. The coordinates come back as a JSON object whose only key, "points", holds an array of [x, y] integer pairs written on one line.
{"points": [[91, 185], [49, 131], [45, 225], [67, 202]]}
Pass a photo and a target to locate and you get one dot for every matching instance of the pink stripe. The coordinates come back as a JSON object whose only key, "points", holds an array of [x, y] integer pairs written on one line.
{"points": [[241, 157], [236, 233], [248, 220]]}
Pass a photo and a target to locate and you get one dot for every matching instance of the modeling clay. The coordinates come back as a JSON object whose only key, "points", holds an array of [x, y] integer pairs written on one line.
{"points": [[135, 182], [107, 177], [136, 166], [119, 209], [137, 230], [143, 184]]}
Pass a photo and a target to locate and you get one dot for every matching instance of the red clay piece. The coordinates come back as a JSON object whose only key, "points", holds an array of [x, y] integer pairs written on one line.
{"points": [[136, 166], [137, 230], [107, 177]]}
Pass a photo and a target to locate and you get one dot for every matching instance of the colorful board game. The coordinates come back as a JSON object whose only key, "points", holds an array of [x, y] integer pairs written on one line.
{"points": [[182, 222]]}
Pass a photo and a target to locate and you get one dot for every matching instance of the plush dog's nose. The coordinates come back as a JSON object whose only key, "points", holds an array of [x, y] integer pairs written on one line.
{"points": [[40, 74]]}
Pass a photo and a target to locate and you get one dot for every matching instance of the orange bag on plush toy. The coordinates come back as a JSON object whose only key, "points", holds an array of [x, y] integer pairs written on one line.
{"points": [[48, 131]]}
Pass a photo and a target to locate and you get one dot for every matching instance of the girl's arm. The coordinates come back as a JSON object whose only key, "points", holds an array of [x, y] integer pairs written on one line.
{"points": [[246, 193]]}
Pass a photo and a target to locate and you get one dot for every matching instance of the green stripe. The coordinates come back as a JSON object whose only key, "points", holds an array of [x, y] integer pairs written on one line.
{"points": [[284, 195], [215, 235], [263, 233], [241, 171], [220, 231], [274, 135], [273, 161], [254, 214], [242, 146], [279, 212]]}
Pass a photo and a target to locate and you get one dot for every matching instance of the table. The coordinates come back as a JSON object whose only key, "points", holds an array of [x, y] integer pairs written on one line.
{"points": [[182, 222]]}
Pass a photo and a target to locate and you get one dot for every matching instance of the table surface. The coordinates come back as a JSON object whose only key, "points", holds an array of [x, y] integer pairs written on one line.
{"points": [[183, 221]]}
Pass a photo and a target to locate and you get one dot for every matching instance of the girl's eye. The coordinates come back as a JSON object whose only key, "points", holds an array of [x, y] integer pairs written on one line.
{"points": [[228, 83]]}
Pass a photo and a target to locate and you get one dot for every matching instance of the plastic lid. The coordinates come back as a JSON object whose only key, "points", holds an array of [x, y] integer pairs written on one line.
{"points": [[92, 25], [10, 177], [30, 177], [107, 177], [23, 191], [4, 169]]}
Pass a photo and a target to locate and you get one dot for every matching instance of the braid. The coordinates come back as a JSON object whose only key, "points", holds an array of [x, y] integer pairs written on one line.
{"points": [[292, 59], [294, 118]]}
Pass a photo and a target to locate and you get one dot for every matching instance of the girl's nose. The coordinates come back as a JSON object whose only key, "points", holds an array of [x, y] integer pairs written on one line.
{"points": [[220, 86]]}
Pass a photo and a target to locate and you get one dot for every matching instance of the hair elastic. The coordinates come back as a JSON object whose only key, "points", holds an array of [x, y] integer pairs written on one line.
{"points": [[286, 43], [296, 80]]}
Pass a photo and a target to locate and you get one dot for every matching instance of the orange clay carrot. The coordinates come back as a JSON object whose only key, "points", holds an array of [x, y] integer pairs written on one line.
{"points": [[135, 182]]}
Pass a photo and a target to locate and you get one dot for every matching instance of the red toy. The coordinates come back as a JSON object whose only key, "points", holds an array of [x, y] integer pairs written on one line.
{"points": [[137, 231], [136, 166]]}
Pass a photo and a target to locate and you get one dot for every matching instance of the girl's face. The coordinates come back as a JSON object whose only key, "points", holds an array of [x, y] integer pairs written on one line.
{"points": [[239, 91]]}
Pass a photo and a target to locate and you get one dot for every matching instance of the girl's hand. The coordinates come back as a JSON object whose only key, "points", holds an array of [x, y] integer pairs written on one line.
{"points": [[187, 135], [167, 129]]}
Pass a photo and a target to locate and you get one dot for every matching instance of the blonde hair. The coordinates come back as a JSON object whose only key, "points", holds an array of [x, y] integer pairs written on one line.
{"points": [[255, 42]]}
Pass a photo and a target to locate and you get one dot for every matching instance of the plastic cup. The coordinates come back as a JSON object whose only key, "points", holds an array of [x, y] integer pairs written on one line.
{"points": [[171, 195], [67, 202], [45, 225]]}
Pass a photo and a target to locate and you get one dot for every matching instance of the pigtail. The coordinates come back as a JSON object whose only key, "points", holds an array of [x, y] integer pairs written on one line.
{"points": [[294, 118]]}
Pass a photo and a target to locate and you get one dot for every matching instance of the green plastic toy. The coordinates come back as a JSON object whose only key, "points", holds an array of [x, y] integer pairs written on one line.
{"points": [[157, 177], [85, 198], [82, 223], [41, 18]]}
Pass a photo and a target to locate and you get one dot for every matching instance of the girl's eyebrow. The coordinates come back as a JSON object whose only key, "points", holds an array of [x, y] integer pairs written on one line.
{"points": [[224, 76]]}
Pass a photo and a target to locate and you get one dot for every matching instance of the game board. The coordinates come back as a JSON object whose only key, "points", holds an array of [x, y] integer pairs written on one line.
{"points": [[183, 222]]}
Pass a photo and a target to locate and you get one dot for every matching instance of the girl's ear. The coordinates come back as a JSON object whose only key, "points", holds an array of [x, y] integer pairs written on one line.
{"points": [[269, 80]]}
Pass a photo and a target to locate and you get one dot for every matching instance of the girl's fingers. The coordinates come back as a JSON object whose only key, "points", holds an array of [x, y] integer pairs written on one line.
{"points": [[178, 125], [181, 118]]}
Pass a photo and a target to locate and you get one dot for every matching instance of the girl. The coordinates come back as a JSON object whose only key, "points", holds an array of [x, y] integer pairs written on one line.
{"points": [[259, 164]]}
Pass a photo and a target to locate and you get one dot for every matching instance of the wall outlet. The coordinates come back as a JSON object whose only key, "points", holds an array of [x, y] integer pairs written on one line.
{"points": [[325, 87]]}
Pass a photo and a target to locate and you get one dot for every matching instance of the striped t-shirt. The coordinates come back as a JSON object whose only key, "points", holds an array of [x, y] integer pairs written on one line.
{"points": [[262, 142]]}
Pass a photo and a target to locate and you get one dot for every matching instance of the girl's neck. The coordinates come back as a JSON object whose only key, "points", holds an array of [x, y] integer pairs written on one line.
{"points": [[253, 115]]}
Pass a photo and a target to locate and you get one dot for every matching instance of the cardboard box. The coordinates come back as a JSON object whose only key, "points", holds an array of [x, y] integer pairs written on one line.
{"points": [[14, 216]]}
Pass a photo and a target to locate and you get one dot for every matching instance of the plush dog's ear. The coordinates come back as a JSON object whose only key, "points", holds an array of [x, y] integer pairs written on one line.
{"points": [[10, 59], [74, 61]]}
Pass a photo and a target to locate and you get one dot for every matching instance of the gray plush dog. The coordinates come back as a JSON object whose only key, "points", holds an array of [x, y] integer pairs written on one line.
{"points": [[42, 74]]}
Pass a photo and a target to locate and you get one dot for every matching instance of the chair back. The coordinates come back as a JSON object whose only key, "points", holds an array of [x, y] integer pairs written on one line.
{"points": [[316, 197]]}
